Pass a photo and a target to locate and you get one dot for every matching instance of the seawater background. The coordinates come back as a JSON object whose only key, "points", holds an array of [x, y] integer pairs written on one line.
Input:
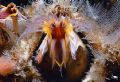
{"points": [[106, 3]]}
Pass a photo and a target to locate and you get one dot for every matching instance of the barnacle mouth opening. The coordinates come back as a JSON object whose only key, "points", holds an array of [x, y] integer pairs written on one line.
{"points": [[57, 33], [67, 72]]}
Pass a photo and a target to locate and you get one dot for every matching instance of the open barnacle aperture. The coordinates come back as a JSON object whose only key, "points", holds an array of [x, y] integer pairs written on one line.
{"points": [[64, 47], [60, 35]]}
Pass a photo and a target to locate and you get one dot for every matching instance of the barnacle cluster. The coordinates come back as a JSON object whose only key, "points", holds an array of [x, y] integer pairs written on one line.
{"points": [[60, 42]]}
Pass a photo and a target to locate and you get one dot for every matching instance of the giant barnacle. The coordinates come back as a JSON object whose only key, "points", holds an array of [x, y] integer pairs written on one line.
{"points": [[66, 40]]}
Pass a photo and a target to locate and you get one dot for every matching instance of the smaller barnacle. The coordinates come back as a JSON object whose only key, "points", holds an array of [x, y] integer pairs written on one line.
{"points": [[10, 10], [12, 18], [7, 37], [7, 12]]}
